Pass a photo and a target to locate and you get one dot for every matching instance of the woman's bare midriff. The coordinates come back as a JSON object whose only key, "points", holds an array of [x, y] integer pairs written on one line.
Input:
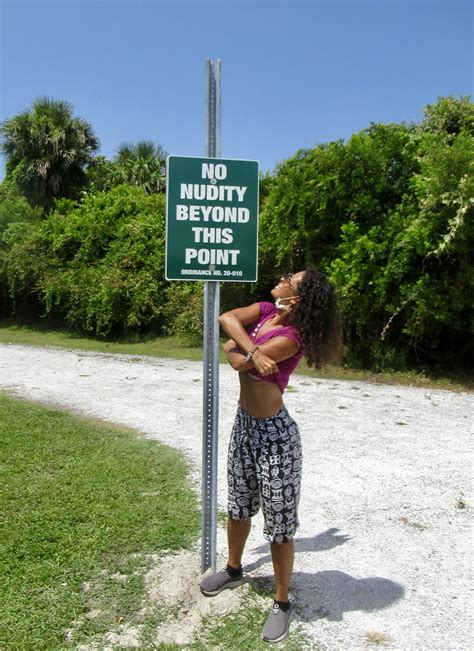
{"points": [[258, 397]]}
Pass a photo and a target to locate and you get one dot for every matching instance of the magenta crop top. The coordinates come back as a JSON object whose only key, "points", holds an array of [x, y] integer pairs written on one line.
{"points": [[285, 367]]}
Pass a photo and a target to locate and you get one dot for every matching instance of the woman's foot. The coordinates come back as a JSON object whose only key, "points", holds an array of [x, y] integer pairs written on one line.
{"points": [[278, 622], [229, 577]]}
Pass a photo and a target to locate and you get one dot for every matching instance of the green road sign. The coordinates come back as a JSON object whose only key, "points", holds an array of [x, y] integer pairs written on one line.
{"points": [[211, 219]]}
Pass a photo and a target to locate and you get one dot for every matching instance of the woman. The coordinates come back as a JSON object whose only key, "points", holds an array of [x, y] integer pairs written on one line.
{"points": [[264, 463]]}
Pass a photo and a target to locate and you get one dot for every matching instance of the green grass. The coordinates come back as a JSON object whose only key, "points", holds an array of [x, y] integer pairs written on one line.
{"points": [[243, 630], [43, 334], [81, 502]]}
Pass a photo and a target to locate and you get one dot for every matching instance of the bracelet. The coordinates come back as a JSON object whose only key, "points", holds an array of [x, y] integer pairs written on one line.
{"points": [[248, 356]]}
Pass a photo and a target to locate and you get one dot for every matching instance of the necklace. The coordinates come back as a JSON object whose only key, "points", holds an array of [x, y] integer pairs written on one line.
{"points": [[253, 334]]}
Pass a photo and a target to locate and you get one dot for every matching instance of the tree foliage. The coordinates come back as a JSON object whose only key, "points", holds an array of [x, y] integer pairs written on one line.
{"points": [[407, 283], [14, 207], [318, 190], [98, 264], [142, 164], [46, 150], [387, 215]]}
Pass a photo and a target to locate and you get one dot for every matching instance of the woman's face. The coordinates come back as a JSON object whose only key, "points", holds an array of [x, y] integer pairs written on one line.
{"points": [[288, 285]]}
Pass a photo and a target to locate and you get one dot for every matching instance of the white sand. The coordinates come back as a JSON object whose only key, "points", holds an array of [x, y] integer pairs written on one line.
{"points": [[383, 547]]}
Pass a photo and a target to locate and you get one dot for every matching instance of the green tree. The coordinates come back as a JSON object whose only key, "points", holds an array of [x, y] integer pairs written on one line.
{"points": [[15, 213], [143, 164], [448, 117], [318, 190], [14, 207], [387, 216], [183, 309], [440, 318], [46, 150], [406, 284], [98, 265], [101, 175]]}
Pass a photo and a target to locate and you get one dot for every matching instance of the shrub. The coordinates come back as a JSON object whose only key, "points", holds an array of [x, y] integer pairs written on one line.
{"points": [[184, 311], [99, 264]]}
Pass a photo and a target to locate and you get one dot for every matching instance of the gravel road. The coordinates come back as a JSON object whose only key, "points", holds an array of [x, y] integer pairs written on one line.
{"points": [[383, 551]]}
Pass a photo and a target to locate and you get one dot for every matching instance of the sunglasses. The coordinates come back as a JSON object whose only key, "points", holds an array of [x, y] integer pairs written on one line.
{"points": [[287, 278]]}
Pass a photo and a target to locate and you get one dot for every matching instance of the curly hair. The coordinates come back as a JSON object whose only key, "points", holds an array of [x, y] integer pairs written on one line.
{"points": [[317, 319]]}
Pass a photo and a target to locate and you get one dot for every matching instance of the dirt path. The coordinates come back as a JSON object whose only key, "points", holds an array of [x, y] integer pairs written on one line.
{"points": [[383, 551]]}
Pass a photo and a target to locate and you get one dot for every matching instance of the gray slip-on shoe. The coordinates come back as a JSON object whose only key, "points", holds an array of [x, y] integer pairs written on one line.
{"points": [[277, 624], [215, 583]]}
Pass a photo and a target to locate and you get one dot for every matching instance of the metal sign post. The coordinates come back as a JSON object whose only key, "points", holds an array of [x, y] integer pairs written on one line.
{"points": [[211, 349], [211, 236]]}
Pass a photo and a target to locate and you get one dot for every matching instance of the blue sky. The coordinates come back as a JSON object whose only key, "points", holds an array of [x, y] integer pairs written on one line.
{"points": [[294, 74]]}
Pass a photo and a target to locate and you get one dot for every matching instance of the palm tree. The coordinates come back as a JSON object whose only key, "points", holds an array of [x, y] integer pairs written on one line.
{"points": [[46, 149], [142, 164]]}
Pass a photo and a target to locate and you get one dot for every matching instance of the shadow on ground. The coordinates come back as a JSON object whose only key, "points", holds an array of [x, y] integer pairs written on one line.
{"points": [[329, 594], [321, 542]]}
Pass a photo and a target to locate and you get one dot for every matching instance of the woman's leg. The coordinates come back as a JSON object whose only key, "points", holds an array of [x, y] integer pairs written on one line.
{"points": [[282, 558], [237, 534], [243, 494], [280, 481]]}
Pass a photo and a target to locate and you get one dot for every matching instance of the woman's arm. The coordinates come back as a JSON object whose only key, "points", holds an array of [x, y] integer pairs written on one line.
{"points": [[277, 349], [233, 323]]}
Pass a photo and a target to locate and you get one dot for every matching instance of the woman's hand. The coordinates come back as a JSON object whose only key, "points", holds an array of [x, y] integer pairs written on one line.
{"points": [[264, 364], [229, 345]]}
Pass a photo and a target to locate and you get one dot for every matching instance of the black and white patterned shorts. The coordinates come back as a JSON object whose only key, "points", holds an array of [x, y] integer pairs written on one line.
{"points": [[264, 469]]}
